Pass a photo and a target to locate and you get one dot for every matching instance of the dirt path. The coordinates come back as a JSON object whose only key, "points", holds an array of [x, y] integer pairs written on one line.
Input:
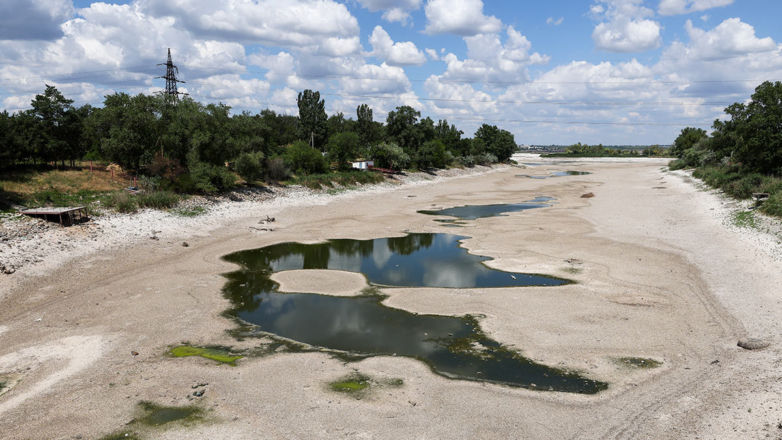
{"points": [[659, 277]]}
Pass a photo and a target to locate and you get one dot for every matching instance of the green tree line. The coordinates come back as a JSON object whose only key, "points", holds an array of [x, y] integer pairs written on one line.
{"points": [[186, 144], [743, 154]]}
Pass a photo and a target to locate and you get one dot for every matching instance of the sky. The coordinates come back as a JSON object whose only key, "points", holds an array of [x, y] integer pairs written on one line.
{"points": [[629, 72]]}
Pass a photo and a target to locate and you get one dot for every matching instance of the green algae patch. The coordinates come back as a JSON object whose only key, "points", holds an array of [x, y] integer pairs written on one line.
{"points": [[157, 415], [216, 354], [573, 270], [638, 363], [352, 384], [358, 385]]}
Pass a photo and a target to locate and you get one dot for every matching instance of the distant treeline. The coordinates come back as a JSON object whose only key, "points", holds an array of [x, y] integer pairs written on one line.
{"points": [[743, 155], [584, 150], [185, 144]]}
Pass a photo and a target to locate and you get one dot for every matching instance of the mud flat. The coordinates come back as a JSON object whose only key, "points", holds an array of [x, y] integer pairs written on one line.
{"points": [[664, 290]]}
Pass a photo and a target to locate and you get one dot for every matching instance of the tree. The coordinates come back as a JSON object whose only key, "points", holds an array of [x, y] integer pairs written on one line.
{"points": [[50, 111], [303, 159], [390, 156], [401, 127], [364, 124], [249, 165], [312, 118], [687, 139], [432, 154], [343, 148], [757, 127], [500, 143], [129, 125]]}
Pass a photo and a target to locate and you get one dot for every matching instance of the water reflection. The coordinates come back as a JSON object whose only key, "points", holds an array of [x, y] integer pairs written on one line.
{"points": [[452, 346]]}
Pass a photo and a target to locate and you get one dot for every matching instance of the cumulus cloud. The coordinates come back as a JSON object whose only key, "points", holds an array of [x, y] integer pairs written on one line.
{"points": [[625, 28], [394, 54], [33, 20], [675, 7], [460, 17], [489, 60], [323, 26], [432, 54], [729, 51]]}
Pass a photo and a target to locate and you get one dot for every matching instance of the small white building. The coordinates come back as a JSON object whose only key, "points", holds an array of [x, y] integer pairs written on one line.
{"points": [[363, 165]]}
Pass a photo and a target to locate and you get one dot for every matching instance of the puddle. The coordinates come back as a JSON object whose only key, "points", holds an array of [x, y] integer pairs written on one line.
{"points": [[358, 327], [474, 212], [570, 173], [161, 415], [556, 174], [534, 164]]}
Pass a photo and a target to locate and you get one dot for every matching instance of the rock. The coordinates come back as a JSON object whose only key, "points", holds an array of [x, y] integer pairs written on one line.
{"points": [[184, 244], [753, 344], [587, 196]]}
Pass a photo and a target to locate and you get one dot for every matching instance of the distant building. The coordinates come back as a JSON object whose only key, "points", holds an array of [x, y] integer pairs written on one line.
{"points": [[364, 164]]}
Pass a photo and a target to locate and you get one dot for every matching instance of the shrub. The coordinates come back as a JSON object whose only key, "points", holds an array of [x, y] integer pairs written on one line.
{"points": [[210, 178], [485, 159], [390, 156], [467, 161], [302, 159], [677, 164], [343, 148], [250, 166], [276, 170], [773, 206], [122, 202], [432, 154]]}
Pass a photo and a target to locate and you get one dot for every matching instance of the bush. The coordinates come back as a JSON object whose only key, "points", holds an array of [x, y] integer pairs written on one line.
{"points": [[250, 166], [123, 202], [432, 154], [343, 148], [302, 159], [210, 178], [773, 206], [466, 161], [485, 159], [677, 164], [390, 156], [276, 170]]}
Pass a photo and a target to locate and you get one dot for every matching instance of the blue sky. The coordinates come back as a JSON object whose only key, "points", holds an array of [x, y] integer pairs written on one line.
{"points": [[556, 72]]}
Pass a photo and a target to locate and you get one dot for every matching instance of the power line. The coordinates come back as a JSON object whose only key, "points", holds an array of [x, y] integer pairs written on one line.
{"points": [[48, 77]]}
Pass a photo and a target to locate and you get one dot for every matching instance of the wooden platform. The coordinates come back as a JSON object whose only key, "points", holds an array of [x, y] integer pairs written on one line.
{"points": [[65, 216]]}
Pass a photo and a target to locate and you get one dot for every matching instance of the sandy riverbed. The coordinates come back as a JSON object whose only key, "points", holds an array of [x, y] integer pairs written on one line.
{"points": [[660, 274]]}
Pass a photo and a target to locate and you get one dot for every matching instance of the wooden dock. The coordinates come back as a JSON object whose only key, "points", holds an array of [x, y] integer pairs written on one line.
{"points": [[65, 216]]}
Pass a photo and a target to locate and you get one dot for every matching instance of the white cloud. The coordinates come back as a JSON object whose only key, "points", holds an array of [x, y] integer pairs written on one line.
{"points": [[488, 60], [625, 28], [460, 17], [33, 20], [551, 21], [674, 7], [705, 17], [322, 26], [394, 54], [432, 54]]}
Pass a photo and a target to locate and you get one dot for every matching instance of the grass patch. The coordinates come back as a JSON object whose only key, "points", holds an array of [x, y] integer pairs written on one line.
{"points": [[194, 211], [214, 353], [744, 219], [573, 270], [351, 384], [158, 200], [342, 178], [741, 185], [634, 362], [2, 385]]}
